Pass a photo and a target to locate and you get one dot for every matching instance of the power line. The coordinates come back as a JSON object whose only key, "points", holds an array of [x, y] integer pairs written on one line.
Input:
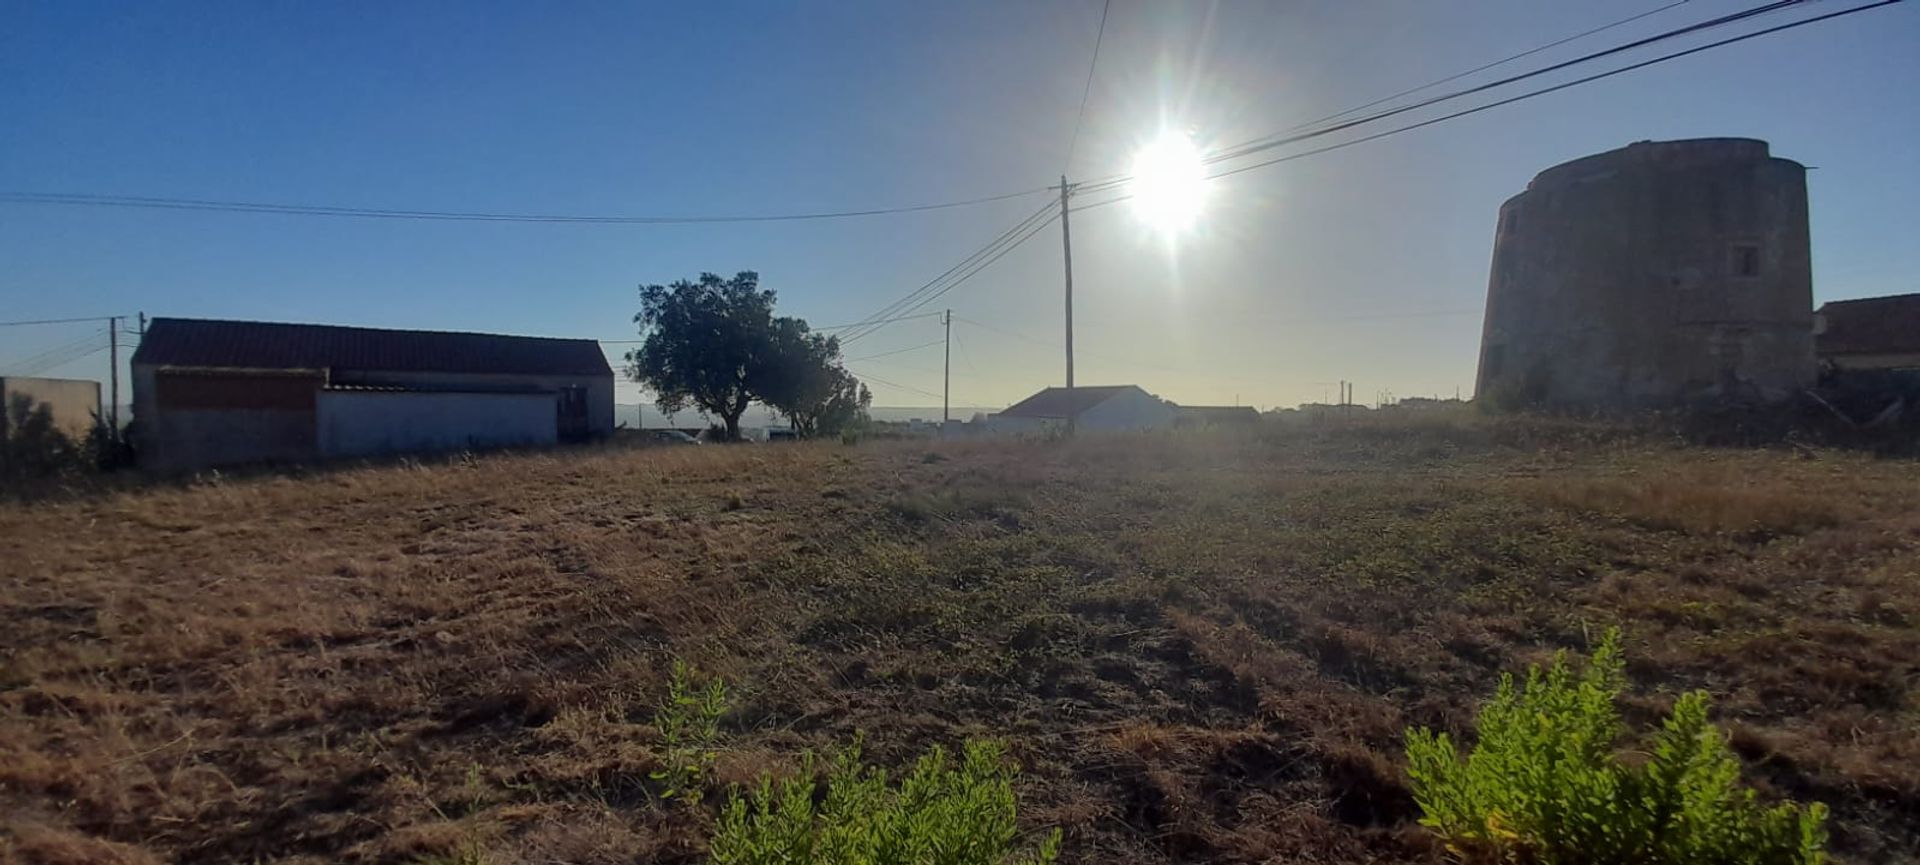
{"points": [[879, 321], [916, 298], [879, 380], [1269, 142], [58, 320], [906, 303], [1081, 115], [1491, 105], [1555, 88], [894, 352], [1115, 200], [980, 266], [58, 354], [61, 361], [972, 370], [133, 201], [815, 329], [1486, 66], [78, 343]]}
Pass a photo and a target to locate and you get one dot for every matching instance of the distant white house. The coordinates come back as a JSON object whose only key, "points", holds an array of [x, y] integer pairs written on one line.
{"points": [[1108, 408]]}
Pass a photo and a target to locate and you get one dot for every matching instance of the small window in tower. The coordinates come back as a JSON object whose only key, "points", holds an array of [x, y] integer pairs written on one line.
{"points": [[1746, 260]]}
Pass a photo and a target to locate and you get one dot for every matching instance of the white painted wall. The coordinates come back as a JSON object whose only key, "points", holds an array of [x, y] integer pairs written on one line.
{"points": [[363, 423], [1003, 425], [1129, 410], [599, 387]]}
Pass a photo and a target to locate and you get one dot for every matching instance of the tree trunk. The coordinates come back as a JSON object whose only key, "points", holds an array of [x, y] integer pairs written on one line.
{"points": [[733, 426]]}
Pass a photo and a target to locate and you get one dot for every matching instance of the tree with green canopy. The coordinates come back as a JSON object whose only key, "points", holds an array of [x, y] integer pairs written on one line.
{"points": [[715, 345]]}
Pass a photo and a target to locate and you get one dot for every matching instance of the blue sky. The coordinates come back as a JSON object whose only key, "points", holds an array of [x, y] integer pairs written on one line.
{"points": [[1366, 264]]}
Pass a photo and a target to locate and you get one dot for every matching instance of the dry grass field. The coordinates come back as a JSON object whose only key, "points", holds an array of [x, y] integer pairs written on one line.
{"points": [[1201, 647]]}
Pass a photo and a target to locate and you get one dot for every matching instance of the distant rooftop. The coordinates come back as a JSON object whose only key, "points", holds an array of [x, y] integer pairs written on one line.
{"points": [[1870, 325], [1058, 402], [194, 342]]}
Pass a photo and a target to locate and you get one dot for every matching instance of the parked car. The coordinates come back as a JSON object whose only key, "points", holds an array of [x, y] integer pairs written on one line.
{"points": [[672, 437]]}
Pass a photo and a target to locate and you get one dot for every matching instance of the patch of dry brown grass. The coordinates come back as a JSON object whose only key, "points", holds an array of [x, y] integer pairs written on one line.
{"points": [[1202, 647], [1702, 502]]}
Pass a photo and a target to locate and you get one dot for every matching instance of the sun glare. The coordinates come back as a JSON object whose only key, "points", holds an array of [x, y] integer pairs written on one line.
{"points": [[1169, 183]]}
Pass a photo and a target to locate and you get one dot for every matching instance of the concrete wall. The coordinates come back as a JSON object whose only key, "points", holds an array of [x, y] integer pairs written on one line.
{"points": [[1658, 273], [73, 402], [365, 423], [599, 389], [189, 421]]}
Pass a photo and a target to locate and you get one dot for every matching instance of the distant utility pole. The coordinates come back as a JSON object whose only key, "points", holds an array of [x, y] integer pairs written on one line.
{"points": [[143, 341], [113, 372], [946, 378], [1066, 246]]}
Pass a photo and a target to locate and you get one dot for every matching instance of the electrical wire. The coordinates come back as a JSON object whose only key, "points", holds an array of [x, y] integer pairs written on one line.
{"points": [[66, 346], [1081, 116], [1503, 102], [814, 329], [1275, 140], [905, 304], [884, 320], [133, 201], [1555, 88], [1486, 66], [972, 370], [1271, 142], [983, 265], [878, 380], [56, 363], [917, 298], [61, 320], [58, 354], [894, 352], [1098, 204]]}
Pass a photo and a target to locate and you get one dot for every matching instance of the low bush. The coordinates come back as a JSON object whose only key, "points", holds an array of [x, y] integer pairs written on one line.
{"points": [[1545, 783], [941, 813], [689, 724]]}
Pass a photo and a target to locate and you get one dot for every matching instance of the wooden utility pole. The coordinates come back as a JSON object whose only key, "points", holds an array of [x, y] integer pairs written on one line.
{"points": [[946, 378], [1066, 246], [113, 373]]}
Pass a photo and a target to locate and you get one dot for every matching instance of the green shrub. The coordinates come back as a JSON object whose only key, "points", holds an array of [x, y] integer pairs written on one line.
{"points": [[689, 724], [940, 814], [1545, 784]]}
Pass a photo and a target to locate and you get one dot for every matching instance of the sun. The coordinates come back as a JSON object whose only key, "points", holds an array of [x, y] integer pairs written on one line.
{"points": [[1169, 183]]}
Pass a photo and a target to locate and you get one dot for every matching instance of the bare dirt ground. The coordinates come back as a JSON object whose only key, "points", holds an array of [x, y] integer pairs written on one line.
{"points": [[1201, 647]]}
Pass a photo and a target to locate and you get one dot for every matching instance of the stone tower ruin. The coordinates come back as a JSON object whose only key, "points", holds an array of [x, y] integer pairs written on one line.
{"points": [[1663, 272]]}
